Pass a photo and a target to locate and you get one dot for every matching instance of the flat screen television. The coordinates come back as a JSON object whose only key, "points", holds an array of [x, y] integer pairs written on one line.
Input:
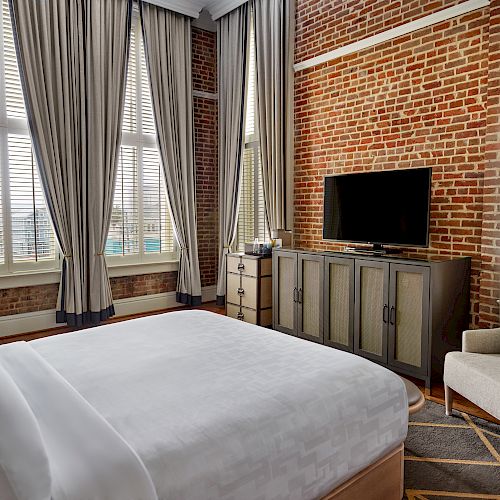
{"points": [[378, 208]]}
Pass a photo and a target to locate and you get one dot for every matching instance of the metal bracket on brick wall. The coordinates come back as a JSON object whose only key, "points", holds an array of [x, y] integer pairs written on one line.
{"points": [[385, 36]]}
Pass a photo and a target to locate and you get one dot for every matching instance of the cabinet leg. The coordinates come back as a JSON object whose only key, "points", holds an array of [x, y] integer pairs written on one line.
{"points": [[448, 400], [427, 390]]}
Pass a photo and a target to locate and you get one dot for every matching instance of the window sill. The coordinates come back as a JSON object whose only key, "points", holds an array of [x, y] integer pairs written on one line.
{"points": [[32, 278], [50, 276]]}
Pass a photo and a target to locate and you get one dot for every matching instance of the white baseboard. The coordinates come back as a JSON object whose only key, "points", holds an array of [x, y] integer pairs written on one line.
{"points": [[15, 324]]}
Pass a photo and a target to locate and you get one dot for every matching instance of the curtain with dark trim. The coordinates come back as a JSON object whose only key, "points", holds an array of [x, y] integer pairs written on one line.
{"points": [[274, 22], [167, 43], [232, 54], [72, 58]]}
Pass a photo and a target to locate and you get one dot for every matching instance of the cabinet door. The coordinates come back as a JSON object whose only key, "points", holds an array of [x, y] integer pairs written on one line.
{"points": [[339, 303], [371, 309], [310, 297], [284, 291], [409, 318]]}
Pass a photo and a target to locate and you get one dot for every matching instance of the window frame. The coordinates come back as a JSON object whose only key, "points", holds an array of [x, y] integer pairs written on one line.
{"points": [[15, 126], [140, 140], [252, 142]]}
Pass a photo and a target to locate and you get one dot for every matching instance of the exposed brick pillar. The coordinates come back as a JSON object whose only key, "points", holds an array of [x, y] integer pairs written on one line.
{"points": [[490, 247]]}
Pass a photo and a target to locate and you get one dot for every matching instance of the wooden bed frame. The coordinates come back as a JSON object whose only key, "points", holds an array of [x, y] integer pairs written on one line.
{"points": [[383, 480]]}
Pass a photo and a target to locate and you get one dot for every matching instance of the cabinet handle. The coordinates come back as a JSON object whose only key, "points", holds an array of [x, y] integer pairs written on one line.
{"points": [[241, 292], [241, 266], [300, 296], [392, 317], [240, 316], [384, 313], [295, 298]]}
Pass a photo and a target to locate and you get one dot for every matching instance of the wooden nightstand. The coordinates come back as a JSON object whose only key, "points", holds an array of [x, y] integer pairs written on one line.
{"points": [[249, 288]]}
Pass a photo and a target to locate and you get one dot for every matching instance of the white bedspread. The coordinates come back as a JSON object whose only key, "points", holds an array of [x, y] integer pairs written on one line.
{"points": [[53, 444], [220, 409]]}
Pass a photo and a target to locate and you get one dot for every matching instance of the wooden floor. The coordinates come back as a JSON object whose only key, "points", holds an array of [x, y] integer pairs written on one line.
{"points": [[436, 395]]}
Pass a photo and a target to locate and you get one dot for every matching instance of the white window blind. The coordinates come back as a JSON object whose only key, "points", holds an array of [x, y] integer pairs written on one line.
{"points": [[27, 240], [252, 221], [141, 228]]}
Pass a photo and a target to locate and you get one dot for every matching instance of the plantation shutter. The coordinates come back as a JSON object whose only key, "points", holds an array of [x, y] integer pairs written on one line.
{"points": [[158, 232], [123, 236], [251, 213], [14, 99], [140, 222], [31, 238]]}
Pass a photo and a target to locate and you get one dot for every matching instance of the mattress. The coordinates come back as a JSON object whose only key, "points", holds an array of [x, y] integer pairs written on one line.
{"points": [[220, 409]]}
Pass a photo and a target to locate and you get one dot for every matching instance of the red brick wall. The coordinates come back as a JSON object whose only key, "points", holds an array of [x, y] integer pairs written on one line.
{"points": [[28, 299], [323, 25], [417, 101], [205, 123], [43, 297], [143, 284], [490, 249]]}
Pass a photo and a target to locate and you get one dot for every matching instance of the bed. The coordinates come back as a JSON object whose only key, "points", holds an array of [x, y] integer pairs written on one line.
{"points": [[195, 405]]}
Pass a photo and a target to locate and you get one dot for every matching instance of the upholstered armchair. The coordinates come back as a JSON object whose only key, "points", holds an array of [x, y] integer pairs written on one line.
{"points": [[475, 372]]}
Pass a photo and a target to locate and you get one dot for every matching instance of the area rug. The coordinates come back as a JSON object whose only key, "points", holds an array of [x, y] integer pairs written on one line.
{"points": [[451, 457]]}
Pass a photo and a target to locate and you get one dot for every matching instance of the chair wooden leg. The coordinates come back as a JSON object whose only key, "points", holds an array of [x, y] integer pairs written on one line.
{"points": [[448, 399]]}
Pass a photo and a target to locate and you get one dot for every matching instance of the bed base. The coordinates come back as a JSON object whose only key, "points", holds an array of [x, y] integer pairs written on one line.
{"points": [[383, 480]]}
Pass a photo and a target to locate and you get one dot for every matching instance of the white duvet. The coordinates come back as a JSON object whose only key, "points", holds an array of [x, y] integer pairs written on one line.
{"points": [[215, 408]]}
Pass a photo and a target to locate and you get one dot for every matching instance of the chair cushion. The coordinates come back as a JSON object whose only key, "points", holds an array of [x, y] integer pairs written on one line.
{"points": [[475, 376]]}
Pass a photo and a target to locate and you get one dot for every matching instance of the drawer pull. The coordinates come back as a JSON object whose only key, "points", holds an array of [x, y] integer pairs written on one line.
{"points": [[241, 266], [240, 316], [241, 292]]}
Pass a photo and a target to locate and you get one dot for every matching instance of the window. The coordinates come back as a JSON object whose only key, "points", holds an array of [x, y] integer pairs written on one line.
{"points": [[27, 240], [140, 229], [252, 221]]}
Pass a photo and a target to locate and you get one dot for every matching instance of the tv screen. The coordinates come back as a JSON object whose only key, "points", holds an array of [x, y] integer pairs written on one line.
{"points": [[390, 207]]}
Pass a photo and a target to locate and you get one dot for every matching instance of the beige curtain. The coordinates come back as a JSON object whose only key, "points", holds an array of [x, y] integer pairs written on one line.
{"points": [[274, 37], [232, 45], [167, 40], [72, 57]]}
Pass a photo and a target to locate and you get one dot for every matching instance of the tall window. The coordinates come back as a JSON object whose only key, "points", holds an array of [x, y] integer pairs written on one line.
{"points": [[141, 229], [251, 215], [27, 240]]}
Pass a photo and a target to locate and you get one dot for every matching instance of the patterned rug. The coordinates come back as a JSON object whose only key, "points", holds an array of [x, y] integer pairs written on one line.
{"points": [[450, 458]]}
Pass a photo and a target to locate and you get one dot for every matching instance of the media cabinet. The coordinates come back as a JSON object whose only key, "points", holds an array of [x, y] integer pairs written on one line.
{"points": [[402, 313]]}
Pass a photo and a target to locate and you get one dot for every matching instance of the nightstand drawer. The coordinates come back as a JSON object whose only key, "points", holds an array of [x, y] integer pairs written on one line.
{"points": [[242, 288], [241, 265], [242, 313]]}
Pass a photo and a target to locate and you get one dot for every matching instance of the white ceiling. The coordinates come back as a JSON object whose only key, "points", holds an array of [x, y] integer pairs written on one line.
{"points": [[217, 8]]}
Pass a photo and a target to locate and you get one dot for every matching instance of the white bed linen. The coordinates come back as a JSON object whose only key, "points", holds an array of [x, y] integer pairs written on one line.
{"points": [[220, 409], [54, 445]]}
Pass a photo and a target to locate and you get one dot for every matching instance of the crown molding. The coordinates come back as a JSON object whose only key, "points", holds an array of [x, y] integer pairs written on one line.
{"points": [[186, 7], [219, 8]]}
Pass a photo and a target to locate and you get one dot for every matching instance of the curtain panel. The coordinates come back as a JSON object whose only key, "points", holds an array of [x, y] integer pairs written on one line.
{"points": [[72, 59], [167, 42], [274, 22], [232, 54]]}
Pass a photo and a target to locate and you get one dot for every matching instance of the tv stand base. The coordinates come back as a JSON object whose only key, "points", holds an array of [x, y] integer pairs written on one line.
{"points": [[375, 250]]}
